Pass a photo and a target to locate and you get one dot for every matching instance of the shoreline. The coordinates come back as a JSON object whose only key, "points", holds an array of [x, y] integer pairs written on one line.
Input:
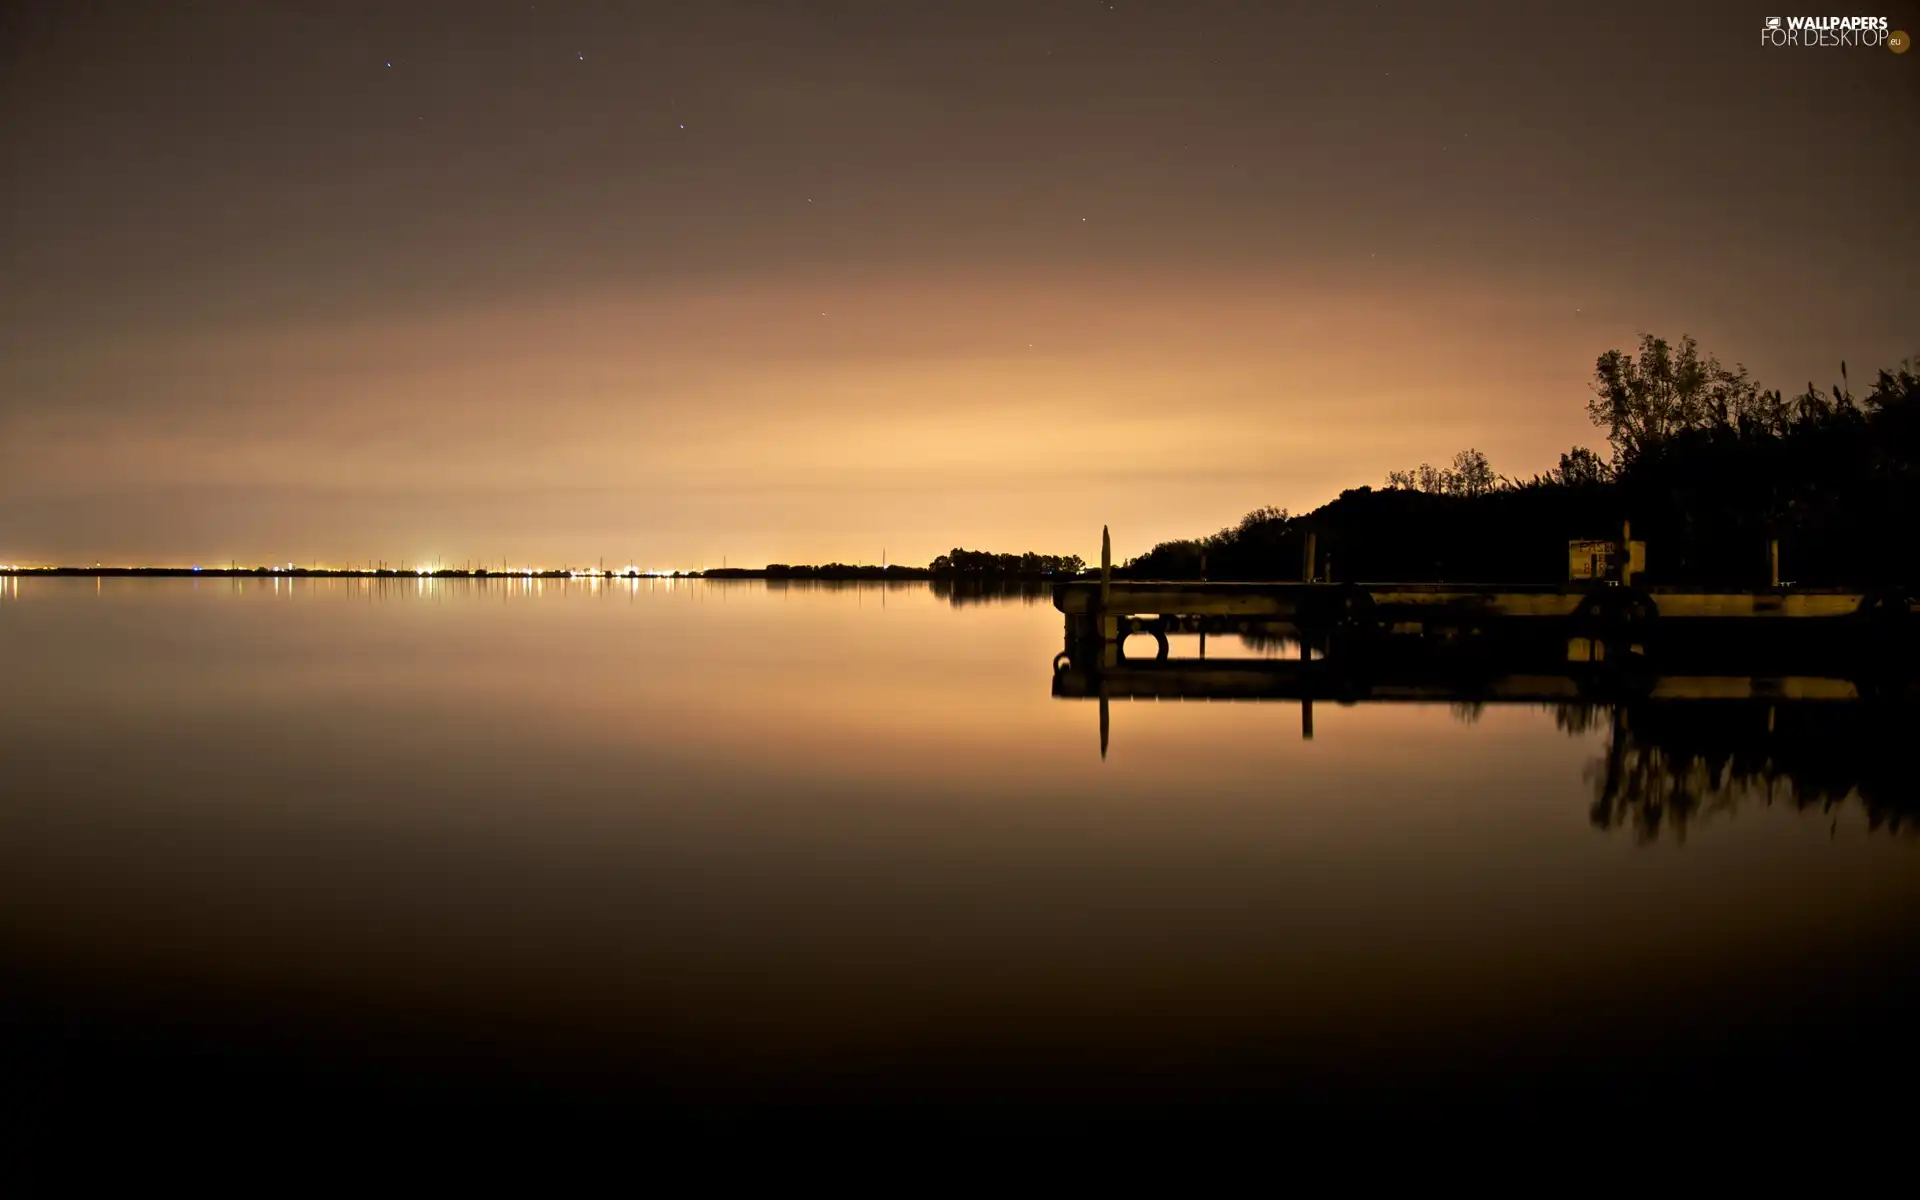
{"points": [[832, 572]]}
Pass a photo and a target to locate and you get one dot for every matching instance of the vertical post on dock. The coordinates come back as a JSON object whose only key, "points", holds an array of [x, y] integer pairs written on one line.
{"points": [[1203, 620], [1106, 568], [1306, 560], [1626, 553], [1773, 561], [1108, 628]]}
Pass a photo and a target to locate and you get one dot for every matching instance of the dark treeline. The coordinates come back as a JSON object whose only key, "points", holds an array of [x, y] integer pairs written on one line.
{"points": [[982, 563], [1669, 765], [1708, 466], [958, 565]]}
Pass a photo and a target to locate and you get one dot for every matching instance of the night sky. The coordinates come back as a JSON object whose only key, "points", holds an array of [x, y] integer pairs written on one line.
{"points": [[664, 283]]}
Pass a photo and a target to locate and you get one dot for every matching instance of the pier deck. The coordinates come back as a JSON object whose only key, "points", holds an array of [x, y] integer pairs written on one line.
{"points": [[1101, 614], [1290, 601]]}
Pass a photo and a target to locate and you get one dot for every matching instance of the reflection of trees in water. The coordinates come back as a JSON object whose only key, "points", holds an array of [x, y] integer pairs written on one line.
{"points": [[1669, 765], [963, 591], [801, 584], [1271, 643], [1576, 719]]}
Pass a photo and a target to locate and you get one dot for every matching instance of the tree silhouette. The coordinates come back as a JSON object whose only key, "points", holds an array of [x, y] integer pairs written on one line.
{"points": [[1644, 401], [1028, 565], [1668, 767], [1580, 467], [1469, 475], [1707, 465]]}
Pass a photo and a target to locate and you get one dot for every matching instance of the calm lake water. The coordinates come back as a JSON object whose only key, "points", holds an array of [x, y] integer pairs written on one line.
{"points": [[723, 847]]}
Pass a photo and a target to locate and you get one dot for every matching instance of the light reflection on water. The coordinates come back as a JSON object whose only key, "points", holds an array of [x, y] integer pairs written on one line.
{"points": [[672, 828]]}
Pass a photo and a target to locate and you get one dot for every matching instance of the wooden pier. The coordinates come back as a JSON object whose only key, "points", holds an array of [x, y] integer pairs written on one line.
{"points": [[1100, 615], [1604, 639]]}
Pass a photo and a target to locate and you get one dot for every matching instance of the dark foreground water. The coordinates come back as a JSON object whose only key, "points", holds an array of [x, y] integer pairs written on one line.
{"points": [[457, 848]]}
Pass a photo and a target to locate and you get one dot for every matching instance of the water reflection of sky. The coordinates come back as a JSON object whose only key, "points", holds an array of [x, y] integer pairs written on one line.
{"points": [[802, 823]]}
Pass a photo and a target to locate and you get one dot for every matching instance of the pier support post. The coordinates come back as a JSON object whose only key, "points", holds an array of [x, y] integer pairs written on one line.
{"points": [[1307, 560], [1626, 553], [1773, 562], [1306, 702]]}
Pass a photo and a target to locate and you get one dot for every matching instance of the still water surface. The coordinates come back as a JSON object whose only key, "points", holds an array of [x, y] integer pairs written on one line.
{"points": [[735, 845]]}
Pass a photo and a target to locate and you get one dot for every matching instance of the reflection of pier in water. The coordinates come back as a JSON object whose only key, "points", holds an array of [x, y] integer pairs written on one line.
{"points": [[1690, 733]]}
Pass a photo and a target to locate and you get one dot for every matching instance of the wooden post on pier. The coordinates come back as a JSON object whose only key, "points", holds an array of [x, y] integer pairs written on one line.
{"points": [[1109, 628], [1106, 568], [1306, 560], [1773, 561], [1626, 553], [1203, 624]]}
